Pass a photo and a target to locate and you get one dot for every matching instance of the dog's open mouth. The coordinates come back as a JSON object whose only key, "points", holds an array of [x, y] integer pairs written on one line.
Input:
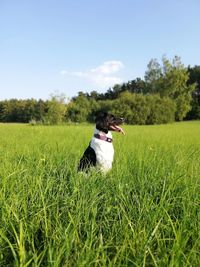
{"points": [[116, 128]]}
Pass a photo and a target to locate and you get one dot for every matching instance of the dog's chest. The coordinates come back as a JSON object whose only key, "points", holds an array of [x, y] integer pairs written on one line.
{"points": [[104, 150]]}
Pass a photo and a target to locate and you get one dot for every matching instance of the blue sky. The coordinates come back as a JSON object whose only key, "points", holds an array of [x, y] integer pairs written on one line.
{"points": [[68, 46]]}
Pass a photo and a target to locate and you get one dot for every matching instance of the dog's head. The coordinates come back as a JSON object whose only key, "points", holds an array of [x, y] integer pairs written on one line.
{"points": [[108, 122]]}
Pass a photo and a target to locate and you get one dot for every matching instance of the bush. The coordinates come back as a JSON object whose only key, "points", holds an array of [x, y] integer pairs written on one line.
{"points": [[132, 107], [161, 110], [144, 109]]}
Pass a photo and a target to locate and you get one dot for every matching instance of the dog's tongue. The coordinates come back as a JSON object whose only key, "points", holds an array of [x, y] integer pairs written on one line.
{"points": [[116, 128]]}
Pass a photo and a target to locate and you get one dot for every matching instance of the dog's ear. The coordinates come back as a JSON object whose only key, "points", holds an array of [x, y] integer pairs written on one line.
{"points": [[101, 116], [101, 122]]}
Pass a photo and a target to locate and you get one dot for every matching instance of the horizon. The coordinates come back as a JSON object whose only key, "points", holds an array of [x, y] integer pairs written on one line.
{"points": [[77, 46]]}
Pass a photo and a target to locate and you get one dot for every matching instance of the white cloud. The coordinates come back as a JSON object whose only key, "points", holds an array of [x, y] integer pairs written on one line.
{"points": [[63, 72], [108, 67], [101, 76]]}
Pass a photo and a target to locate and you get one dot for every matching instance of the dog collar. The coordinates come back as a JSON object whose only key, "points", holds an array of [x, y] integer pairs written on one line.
{"points": [[103, 137]]}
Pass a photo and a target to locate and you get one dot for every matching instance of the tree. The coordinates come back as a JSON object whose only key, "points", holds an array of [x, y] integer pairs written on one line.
{"points": [[137, 86], [153, 76], [171, 80], [41, 109], [194, 77], [174, 84], [56, 109], [80, 109]]}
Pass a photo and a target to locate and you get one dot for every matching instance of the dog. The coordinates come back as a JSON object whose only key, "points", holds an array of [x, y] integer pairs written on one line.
{"points": [[100, 151]]}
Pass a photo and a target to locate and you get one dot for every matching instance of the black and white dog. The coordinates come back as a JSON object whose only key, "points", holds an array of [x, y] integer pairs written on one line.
{"points": [[100, 151]]}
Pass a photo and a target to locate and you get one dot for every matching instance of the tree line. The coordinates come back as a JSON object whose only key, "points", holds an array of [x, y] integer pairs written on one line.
{"points": [[168, 92]]}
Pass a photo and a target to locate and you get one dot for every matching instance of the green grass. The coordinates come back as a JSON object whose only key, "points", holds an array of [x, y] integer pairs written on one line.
{"points": [[145, 212]]}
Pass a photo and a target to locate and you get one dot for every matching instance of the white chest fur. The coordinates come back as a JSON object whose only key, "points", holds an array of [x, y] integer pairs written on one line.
{"points": [[104, 151]]}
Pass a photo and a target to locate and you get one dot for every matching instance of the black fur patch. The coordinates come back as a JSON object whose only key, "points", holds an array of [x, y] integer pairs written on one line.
{"points": [[88, 159], [104, 121]]}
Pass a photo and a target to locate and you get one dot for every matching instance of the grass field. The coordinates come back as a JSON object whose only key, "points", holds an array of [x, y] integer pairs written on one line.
{"points": [[145, 212]]}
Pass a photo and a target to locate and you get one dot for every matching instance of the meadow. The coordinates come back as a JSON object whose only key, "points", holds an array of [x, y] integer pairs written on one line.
{"points": [[145, 212]]}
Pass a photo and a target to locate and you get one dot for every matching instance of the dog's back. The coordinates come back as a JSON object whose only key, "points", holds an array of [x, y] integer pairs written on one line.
{"points": [[88, 159]]}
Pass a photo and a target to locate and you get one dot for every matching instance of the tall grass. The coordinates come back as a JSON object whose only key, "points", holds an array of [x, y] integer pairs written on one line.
{"points": [[145, 212]]}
